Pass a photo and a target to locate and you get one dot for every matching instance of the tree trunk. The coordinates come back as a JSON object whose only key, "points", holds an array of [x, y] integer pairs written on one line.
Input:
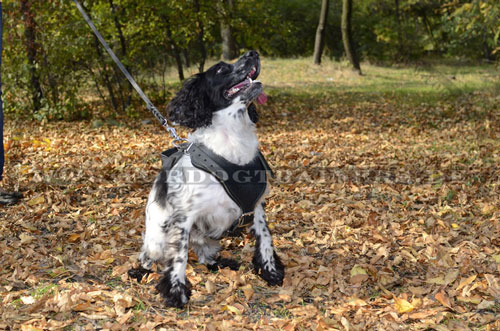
{"points": [[104, 74], [185, 58], [486, 48], [106, 79], [229, 49], [32, 50], [123, 52], [319, 43], [400, 35], [118, 26], [350, 52], [201, 43], [429, 29], [175, 50]]}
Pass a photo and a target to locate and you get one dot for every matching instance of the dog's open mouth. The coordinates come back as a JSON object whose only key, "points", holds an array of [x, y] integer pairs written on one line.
{"points": [[245, 84]]}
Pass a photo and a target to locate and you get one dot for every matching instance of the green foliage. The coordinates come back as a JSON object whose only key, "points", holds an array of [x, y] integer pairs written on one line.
{"points": [[152, 37], [473, 27]]}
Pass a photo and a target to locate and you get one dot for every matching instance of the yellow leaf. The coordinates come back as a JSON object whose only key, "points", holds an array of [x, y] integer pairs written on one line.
{"points": [[465, 282], [473, 299], [109, 260], [36, 200], [232, 309], [437, 280], [496, 257], [403, 306], [357, 270], [30, 328], [455, 225]]}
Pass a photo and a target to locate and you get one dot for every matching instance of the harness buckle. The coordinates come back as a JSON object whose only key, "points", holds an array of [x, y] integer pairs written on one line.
{"points": [[242, 221]]}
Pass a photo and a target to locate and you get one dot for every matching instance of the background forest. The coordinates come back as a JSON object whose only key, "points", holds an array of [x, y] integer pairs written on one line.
{"points": [[55, 68], [385, 208]]}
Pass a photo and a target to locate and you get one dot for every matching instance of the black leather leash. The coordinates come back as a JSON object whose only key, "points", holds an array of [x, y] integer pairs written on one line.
{"points": [[163, 121]]}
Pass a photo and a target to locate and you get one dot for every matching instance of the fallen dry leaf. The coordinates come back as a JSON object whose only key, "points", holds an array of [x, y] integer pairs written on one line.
{"points": [[443, 299], [372, 197]]}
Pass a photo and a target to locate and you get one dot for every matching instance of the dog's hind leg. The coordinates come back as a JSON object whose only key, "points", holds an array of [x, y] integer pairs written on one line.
{"points": [[206, 249], [266, 262]]}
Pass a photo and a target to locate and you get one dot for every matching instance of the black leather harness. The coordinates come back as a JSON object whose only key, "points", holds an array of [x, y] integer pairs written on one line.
{"points": [[244, 184]]}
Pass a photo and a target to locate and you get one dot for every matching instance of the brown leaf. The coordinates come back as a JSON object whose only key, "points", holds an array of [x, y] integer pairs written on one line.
{"points": [[443, 299], [210, 286], [74, 237], [422, 314]]}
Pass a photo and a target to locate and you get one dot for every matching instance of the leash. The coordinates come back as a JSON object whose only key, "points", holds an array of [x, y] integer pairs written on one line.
{"points": [[163, 121]]}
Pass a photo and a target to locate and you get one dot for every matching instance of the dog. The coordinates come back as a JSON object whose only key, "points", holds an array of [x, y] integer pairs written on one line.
{"points": [[181, 213]]}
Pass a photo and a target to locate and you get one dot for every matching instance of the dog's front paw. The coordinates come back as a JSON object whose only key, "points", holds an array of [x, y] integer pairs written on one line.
{"points": [[272, 273], [176, 294], [138, 273]]}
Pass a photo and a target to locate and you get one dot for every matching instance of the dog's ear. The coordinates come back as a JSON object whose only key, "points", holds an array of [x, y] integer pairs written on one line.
{"points": [[252, 113], [191, 106]]}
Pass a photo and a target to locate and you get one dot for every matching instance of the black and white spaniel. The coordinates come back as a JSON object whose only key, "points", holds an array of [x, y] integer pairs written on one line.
{"points": [[182, 212]]}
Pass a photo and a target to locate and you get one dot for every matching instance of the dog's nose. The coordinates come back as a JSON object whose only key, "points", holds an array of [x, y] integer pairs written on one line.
{"points": [[251, 54]]}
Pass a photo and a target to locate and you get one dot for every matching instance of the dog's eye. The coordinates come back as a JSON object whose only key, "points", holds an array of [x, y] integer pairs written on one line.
{"points": [[222, 70]]}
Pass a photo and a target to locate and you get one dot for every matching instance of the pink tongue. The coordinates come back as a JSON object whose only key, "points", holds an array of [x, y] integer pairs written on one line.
{"points": [[240, 84], [262, 98]]}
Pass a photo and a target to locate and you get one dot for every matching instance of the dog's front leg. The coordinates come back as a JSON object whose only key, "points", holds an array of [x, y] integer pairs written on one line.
{"points": [[266, 262], [174, 286]]}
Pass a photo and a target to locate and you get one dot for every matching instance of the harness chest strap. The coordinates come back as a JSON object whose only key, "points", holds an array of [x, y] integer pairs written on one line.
{"points": [[245, 184]]}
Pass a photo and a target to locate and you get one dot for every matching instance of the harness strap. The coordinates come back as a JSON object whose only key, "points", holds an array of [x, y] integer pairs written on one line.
{"points": [[163, 121], [245, 194]]}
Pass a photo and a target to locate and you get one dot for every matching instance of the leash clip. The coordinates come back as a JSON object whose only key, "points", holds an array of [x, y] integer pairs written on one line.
{"points": [[177, 142]]}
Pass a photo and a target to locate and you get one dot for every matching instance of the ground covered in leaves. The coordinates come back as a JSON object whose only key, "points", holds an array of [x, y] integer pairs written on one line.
{"points": [[385, 210]]}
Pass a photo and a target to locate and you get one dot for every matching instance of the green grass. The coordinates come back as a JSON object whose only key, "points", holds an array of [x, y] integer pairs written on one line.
{"points": [[301, 78]]}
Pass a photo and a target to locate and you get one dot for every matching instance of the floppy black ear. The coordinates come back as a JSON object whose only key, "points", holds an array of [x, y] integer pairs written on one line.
{"points": [[252, 113], [191, 106]]}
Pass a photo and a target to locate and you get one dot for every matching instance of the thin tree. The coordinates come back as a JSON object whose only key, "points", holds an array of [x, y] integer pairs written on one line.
{"points": [[319, 43], [347, 35], [201, 36], [32, 51], [400, 34], [229, 49], [123, 51]]}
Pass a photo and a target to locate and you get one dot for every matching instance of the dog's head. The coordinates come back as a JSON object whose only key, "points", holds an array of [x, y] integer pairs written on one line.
{"points": [[216, 89]]}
